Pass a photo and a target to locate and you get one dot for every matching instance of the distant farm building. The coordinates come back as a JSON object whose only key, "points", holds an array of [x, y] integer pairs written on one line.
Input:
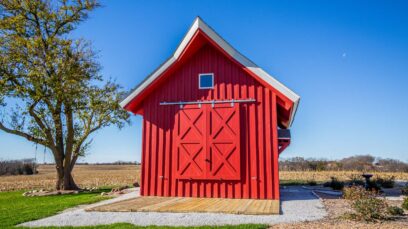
{"points": [[214, 123]]}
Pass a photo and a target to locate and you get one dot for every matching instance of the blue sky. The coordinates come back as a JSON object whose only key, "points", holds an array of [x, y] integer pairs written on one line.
{"points": [[348, 60]]}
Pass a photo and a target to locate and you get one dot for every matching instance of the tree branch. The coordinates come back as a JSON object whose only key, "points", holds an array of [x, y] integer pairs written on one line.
{"points": [[25, 135], [74, 158], [70, 18], [69, 142], [59, 136], [47, 131]]}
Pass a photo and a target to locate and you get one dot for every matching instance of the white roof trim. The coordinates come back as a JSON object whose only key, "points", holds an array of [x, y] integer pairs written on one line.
{"points": [[200, 24]]}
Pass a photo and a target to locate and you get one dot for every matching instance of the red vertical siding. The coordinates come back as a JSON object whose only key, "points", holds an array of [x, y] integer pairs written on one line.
{"points": [[259, 174], [275, 153]]}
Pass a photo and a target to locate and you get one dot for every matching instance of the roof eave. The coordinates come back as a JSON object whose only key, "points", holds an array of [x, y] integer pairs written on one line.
{"points": [[199, 24]]}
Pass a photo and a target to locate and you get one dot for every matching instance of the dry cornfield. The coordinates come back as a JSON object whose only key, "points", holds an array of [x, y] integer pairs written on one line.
{"points": [[119, 175], [322, 176], [85, 176]]}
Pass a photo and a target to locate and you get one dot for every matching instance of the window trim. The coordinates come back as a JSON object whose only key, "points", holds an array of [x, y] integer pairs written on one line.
{"points": [[199, 80]]}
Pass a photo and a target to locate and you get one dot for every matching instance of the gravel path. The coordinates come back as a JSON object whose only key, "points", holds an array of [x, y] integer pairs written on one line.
{"points": [[298, 205]]}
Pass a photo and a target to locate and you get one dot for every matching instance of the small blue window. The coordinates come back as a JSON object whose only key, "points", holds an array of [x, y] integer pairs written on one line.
{"points": [[206, 81]]}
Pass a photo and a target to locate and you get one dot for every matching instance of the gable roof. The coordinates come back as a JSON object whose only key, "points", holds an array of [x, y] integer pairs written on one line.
{"points": [[200, 25]]}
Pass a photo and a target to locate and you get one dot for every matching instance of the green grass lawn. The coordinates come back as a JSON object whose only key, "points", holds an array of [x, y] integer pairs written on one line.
{"points": [[131, 226], [296, 182], [16, 209]]}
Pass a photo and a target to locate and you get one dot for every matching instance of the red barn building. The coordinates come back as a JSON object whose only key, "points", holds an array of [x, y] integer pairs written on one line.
{"points": [[214, 123]]}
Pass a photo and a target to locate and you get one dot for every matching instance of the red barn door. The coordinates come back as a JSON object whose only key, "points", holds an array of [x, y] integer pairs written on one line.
{"points": [[208, 142], [224, 142], [191, 152]]}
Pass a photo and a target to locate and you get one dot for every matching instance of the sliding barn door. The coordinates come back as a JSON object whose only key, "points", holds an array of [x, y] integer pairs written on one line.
{"points": [[208, 142], [191, 153], [224, 142]]}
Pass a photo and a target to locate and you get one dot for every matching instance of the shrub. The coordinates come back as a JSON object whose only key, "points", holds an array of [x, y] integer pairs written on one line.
{"points": [[404, 190], [356, 180], [374, 187], [405, 203], [385, 182], [370, 209], [334, 184], [356, 193], [312, 182], [395, 211], [366, 205], [18, 167]]}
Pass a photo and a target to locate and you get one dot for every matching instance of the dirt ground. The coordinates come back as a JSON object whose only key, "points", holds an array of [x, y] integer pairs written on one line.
{"points": [[336, 208]]}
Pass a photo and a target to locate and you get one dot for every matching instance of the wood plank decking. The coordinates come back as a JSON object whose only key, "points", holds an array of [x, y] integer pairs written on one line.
{"points": [[184, 204]]}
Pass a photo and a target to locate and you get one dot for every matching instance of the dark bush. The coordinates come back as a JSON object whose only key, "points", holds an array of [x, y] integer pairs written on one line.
{"points": [[385, 182], [374, 187], [405, 203], [404, 190], [311, 182], [395, 211], [334, 184], [28, 169], [18, 167], [356, 180]]}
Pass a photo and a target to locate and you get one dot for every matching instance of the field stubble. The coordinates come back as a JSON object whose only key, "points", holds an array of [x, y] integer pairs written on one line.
{"points": [[323, 176], [84, 175]]}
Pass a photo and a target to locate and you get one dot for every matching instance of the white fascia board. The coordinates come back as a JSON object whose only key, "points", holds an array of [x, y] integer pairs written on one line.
{"points": [[281, 88], [167, 64], [186, 39], [274, 83], [224, 45], [294, 109], [200, 24]]}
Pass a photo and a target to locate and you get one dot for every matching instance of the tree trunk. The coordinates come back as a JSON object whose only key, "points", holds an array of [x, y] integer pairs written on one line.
{"points": [[69, 183], [60, 177], [65, 181]]}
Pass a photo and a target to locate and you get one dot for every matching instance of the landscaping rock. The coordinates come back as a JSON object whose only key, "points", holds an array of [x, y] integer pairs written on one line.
{"points": [[49, 193]]}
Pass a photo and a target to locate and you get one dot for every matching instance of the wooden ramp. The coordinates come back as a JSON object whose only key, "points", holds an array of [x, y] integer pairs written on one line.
{"points": [[186, 204]]}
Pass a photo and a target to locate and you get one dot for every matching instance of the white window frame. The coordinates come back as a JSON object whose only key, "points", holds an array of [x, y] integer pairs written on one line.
{"points": [[199, 80]]}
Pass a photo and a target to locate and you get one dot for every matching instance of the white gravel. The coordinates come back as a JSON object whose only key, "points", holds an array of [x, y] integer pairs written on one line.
{"points": [[298, 204]]}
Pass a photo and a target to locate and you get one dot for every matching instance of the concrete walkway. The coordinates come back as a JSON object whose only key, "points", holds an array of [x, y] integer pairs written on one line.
{"points": [[298, 204]]}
